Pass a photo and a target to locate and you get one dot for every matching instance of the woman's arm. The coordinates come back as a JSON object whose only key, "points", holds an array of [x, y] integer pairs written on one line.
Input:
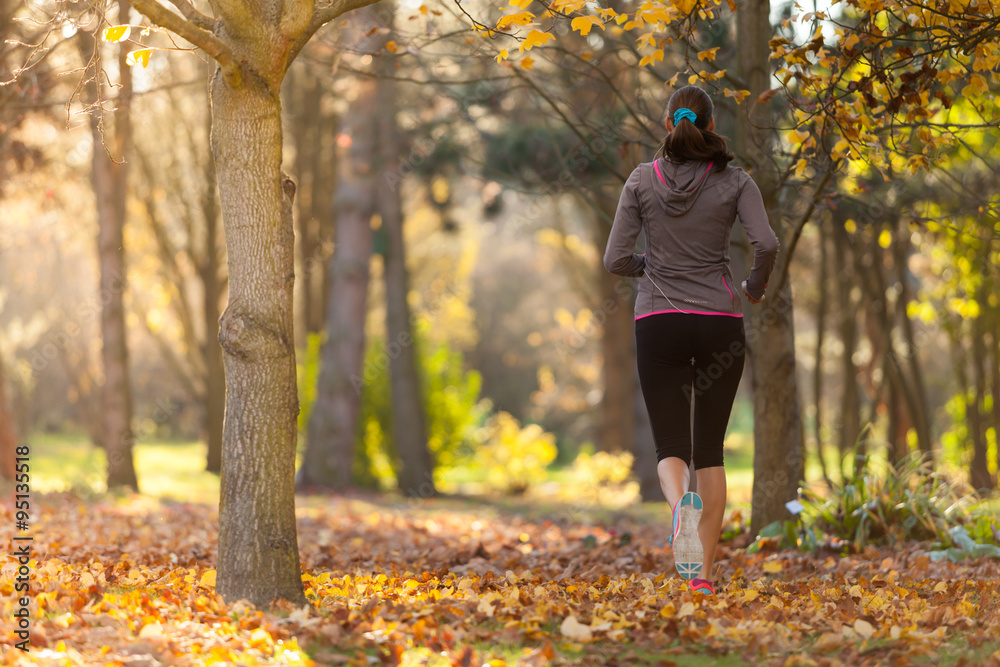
{"points": [[619, 257], [753, 217]]}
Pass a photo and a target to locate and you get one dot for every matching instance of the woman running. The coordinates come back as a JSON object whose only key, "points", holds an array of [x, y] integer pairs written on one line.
{"points": [[689, 329]]}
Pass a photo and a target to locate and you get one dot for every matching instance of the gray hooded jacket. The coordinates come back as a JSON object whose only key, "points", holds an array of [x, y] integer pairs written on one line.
{"points": [[687, 211]]}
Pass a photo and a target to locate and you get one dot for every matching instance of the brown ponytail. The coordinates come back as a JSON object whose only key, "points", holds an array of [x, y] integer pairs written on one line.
{"points": [[693, 141]]}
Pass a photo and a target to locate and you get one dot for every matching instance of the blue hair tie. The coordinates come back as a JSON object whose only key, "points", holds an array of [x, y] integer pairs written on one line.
{"points": [[683, 113]]}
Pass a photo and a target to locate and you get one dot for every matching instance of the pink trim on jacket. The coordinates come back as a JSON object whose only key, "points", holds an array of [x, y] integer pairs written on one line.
{"points": [[688, 312], [656, 166]]}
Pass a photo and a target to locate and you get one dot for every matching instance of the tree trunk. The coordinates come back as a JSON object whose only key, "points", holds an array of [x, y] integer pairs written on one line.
{"points": [[995, 385], [215, 372], [307, 92], [109, 182], [409, 423], [333, 424], [921, 417], [644, 446], [8, 439], [850, 401], [896, 448], [979, 476], [617, 420], [778, 455], [258, 555], [821, 309], [869, 267], [978, 471]]}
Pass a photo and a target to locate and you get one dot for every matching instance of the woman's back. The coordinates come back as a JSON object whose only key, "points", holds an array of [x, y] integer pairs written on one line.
{"points": [[687, 210]]}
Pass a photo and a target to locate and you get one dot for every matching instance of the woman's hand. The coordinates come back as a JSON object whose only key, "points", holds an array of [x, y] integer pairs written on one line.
{"points": [[747, 294]]}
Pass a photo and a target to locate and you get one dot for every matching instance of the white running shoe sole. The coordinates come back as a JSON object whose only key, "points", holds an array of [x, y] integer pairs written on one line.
{"points": [[688, 550]]}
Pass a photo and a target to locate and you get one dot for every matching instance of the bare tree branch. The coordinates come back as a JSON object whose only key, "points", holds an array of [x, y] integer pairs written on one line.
{"points": [[323, 14], [200, 37], [193, 15]]}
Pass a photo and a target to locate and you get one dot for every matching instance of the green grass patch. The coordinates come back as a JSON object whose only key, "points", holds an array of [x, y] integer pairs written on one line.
{"points": [[957, 651], [166, 470]]}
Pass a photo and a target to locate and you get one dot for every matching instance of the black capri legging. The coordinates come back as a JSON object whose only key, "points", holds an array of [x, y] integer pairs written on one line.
{"points": [[685, 356]]}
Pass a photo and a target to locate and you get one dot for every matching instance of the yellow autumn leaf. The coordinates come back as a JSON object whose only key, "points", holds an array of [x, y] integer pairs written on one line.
{"points": [[841, 149], [117, 33], [521, 18], [772, 566], [708, 54], [520, 4], [749, 595], [139, 56], [686, 6], [527, 62], [208, 579], [584, 24], [502, 55], [655, 56], [535, 38], [390, 46], [800, 168]]}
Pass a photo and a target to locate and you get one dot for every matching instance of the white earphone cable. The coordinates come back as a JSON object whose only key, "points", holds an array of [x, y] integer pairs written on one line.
{"points": [[661, 291]]}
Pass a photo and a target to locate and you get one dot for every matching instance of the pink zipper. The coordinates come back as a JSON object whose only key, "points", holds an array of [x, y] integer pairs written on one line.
{"points": [[724, 282]]}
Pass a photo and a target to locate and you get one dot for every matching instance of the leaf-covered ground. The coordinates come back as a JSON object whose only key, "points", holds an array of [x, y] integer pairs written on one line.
{"points": [[129, 582]]}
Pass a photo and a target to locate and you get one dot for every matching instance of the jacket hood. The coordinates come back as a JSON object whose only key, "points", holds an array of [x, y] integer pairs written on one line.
{"points": [[681, 184]]}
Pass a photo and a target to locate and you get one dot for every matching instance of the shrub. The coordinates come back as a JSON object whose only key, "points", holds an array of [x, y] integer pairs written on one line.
{"points": [[513, 456], [602, 477], [452, 407], [908, 502]]}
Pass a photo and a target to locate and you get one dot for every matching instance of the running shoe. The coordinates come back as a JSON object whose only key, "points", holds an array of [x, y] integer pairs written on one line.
{"points": [[688, 550], [703, 586]]}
